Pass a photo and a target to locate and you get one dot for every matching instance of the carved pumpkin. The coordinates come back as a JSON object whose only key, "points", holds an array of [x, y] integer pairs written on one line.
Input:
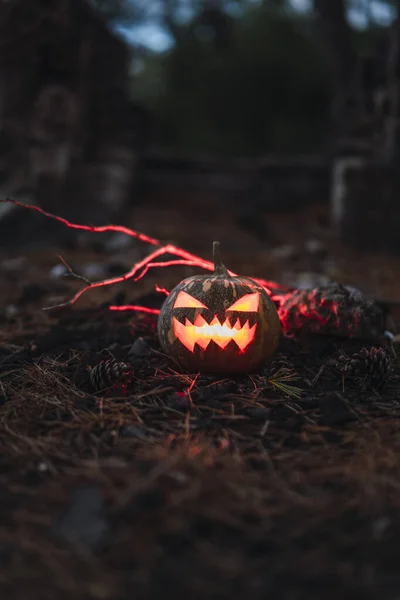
{"points": [[218, 323]]}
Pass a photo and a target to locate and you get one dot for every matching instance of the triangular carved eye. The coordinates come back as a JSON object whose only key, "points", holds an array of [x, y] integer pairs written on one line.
{"points": [[247, 303], [185, 300]]}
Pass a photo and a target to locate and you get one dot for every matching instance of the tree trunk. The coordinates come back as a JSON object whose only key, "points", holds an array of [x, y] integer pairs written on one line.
{"points": [[334, 34], [391, 147]]}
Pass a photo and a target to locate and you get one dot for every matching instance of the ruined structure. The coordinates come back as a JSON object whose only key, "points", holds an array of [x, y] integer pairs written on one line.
{"points": [[365, 182], [67, 126]]}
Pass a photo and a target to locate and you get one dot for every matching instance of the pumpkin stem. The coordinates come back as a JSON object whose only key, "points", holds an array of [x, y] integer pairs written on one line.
{"points": [[219, 267]]}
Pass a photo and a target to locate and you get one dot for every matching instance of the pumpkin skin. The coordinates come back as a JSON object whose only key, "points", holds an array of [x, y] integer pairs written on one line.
{"points": [[216, 323]]}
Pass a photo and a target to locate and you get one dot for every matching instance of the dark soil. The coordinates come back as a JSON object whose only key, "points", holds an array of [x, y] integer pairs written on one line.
{"points": [[281, 484], [191, 484]]}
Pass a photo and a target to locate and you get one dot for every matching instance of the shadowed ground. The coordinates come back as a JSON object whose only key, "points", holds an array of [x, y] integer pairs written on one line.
{"points": [[283, 484]]}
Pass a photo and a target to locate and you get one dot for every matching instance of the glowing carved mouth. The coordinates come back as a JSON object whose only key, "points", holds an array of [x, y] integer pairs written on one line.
{"points": [[202, 333]]}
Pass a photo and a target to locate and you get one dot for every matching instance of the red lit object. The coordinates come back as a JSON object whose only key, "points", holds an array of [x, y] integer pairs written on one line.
{"points": [[333, 309], [219, 323], [140, 268], [135, 307]]}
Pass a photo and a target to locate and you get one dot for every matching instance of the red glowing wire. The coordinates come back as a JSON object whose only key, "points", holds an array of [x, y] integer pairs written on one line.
{"points": [[294, 306], [135, 307], [168, 249], [184, 258], [169, 263], [93, 228], [161, 290]]}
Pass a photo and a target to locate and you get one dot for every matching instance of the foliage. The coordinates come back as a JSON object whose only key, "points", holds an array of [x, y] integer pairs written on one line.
{"points": [[267, 92], [117, 11], [247, 78]]}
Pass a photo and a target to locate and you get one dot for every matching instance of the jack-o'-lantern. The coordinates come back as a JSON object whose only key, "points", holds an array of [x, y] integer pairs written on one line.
{"points": [[218, 323]]}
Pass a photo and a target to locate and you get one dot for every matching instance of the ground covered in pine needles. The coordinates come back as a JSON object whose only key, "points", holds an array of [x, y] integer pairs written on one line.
{"points": [[139, 481]]}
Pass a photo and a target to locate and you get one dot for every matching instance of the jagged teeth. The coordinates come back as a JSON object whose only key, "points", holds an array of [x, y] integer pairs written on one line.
{"points": [[202, 333]]}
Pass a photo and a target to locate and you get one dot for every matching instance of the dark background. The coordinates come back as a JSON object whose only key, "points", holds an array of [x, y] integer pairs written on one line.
{"points": [[269, 125], [275, 131]]}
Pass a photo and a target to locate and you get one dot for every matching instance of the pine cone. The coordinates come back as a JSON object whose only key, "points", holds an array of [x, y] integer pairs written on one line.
{"points": [[108, 373], [279, 363], [370, 368], [332, 310]]}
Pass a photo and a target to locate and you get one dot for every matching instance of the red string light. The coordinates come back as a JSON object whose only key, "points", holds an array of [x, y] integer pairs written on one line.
{"points": [[92, 228], [135, 307], [161, 290], [317, 308], [139, 269]]}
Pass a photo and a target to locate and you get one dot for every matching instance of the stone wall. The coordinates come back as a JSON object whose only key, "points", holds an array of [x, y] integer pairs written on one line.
{"points": [[270, 183], [365, 204], [65, 111], [362, 195]]}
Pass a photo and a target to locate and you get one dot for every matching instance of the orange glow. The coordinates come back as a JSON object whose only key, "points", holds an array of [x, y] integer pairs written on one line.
{"points": [[185, 300], [202, 333], [247, 303]]}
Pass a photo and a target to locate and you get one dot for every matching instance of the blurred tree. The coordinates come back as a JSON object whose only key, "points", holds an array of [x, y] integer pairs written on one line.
{"points": [[363, 69], [254, 76], [118, 11], [337, 40], [248, 85]]}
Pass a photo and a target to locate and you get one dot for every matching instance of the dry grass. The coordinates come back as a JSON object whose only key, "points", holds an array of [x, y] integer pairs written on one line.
{"points": [[199, 487], [234, 489]]}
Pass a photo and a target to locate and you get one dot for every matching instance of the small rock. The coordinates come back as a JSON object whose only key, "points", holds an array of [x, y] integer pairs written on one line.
{"points": [[55, 300], [113, 462], [306, 280], [353, 290], [10, 311], [58, 271], [179, 477], [115, 346], [118, 241], [133, 431], [335, 410], [93, 271], [330, 268], [10, 265], [84, 520], [315, 247], [139, 348], [285, 251]]}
